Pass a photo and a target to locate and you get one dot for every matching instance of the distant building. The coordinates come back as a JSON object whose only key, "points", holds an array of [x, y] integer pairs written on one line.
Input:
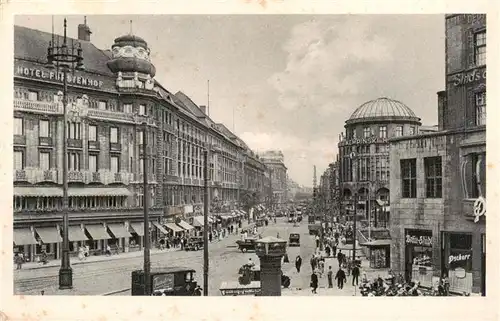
{"points": [[275, 162], [438, 179]]}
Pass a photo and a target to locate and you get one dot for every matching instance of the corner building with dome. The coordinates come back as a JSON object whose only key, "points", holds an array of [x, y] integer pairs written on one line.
{"points": [[364, 167], [110, 105]]}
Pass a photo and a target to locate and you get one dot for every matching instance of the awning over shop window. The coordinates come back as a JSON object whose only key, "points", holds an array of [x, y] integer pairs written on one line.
{"points": [[185, 225], [198, 221], [377, 243], [138, 228], [226, 217], [24, 236], [75, 233], [73, 191], [173, 227], [99, 191], [97, 232], [48, 234], [118, 230], [160, 227], [38, 191]]}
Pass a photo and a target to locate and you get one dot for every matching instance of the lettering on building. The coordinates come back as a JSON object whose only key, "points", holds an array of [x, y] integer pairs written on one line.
{"points": [[458, 258], [468, 77], [419, 240], [57, 76]]}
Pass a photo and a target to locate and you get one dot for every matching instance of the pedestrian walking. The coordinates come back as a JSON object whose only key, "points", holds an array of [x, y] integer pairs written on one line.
{"points": [[108, 250], [298, 263], [313, 262], [334, 249], [314, 283], [317, 241], [330, 277], [355, 274], [19, 260], [340, 258], [340, 277], [81, 253], [327, 250], [210, 237], [321, 267]]}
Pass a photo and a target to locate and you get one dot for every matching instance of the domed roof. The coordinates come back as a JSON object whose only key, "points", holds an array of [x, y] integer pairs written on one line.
{"points": [[383, 107], [130, 53]]}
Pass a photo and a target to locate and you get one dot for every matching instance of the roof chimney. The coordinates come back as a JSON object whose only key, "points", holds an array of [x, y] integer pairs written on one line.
{"points": [[203, 109], [84, 31]]}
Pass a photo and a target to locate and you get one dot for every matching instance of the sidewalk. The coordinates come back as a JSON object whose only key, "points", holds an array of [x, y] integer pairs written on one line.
{"points": [[120, 256]]}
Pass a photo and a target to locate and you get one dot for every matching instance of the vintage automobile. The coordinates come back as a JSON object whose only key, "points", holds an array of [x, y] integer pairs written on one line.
{"points": [[314, 229], [247, 244], [166, 281], [294, 239], [249, 274], [194, 243]]}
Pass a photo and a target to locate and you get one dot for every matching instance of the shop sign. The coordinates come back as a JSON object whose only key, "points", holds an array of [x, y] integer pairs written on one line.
{"points": [[57, 76], [163, 281], [460, 259], [468, 77], [479, 208], [420, 238]]}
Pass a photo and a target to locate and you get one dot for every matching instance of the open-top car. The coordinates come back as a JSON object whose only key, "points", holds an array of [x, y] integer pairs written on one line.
{"points": [[194, 243], [247, 244], [294, 239]]}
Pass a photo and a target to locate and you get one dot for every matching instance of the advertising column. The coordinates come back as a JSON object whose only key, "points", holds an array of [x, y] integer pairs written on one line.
{"points": [[418, 256]]}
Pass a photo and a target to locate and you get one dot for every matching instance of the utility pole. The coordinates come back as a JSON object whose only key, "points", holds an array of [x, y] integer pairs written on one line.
{"points": [[270, 189], [205, 222], [147, 258]]}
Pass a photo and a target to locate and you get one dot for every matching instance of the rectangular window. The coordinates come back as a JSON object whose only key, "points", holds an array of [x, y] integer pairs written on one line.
{"points": [[398, 132], [32, 95], [382, 132], [44, 160], [113, 135], [142, 110], [115, 164], [74, 161], [141, 165], [412, 131], [18, 126], [140, 137], [56, 98], [127, 108], [18, 159], [92, 133], [102, 105], [433, 177], [74, 130], [44, 128], [409, 178], [93, 163], [367, 132], [480, 48], [480, 108]]}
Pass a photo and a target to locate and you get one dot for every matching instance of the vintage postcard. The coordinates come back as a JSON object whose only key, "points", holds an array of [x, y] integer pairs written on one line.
{"points": [[301, 155]]}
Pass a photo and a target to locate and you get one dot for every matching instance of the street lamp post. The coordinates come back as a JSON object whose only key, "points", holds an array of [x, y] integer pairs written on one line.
{"points": [[147, 255], [354, 219], [205, 222], [67, 58]]}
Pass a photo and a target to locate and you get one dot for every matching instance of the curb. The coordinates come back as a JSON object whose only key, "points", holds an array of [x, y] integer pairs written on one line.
{"points": [[114, 292]]}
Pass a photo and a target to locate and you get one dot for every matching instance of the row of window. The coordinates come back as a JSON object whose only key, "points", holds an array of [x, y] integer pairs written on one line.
{"points": [[382, 132], [433, 177]]}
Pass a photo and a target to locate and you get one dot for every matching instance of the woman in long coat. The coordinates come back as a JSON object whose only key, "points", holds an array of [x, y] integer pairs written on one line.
{"points": [[314, 282], [298, 263]]}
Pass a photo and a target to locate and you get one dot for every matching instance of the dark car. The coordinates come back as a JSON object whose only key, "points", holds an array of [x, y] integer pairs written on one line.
{"points": [[194, 243], [166, 281], [247, 244], [294, 239]]}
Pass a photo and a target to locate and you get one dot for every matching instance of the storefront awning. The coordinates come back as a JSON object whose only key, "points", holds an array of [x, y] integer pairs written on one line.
{"points": [[99, 191], [185, 225], [118, 230], [73, 191], [160, 227], [377, 243], [97, 232], [173, 227], [48, 234], [75, 233], [226, 217], [24, 236], [138, 228], [198, 221]]}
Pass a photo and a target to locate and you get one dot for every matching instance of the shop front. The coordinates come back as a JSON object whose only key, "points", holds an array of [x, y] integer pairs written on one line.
{"points": [[379, 253], [457, 258], [98, 237], [120, 236], [418, 256], [48, 241], [24, 242]]}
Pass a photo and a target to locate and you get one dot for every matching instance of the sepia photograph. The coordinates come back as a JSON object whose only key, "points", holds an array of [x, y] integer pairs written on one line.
{"points": [[224, 155]]}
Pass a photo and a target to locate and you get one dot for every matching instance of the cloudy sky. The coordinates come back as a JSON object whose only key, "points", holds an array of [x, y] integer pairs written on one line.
{"points": [[290, 80]]}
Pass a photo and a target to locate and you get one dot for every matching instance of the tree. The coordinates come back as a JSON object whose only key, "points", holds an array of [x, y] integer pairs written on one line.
{"points": [[249, 199]]}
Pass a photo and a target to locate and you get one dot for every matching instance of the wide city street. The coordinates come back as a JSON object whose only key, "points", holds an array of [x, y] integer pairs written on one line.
{"points": [[104, 277]]}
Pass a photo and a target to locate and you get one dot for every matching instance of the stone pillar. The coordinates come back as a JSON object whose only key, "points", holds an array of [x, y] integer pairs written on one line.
{"points": [[270, 251]]}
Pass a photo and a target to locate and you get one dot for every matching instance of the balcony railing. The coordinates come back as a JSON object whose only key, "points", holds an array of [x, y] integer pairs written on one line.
{"points": [[139, 177], [45, 141], [75, 176], [19, 140], [20, 175], [49, 176], [94, 177], [115, 147], [75, 143], [42, 107], [172, 179], [110, 115], [187, 181], [94, 145]]}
